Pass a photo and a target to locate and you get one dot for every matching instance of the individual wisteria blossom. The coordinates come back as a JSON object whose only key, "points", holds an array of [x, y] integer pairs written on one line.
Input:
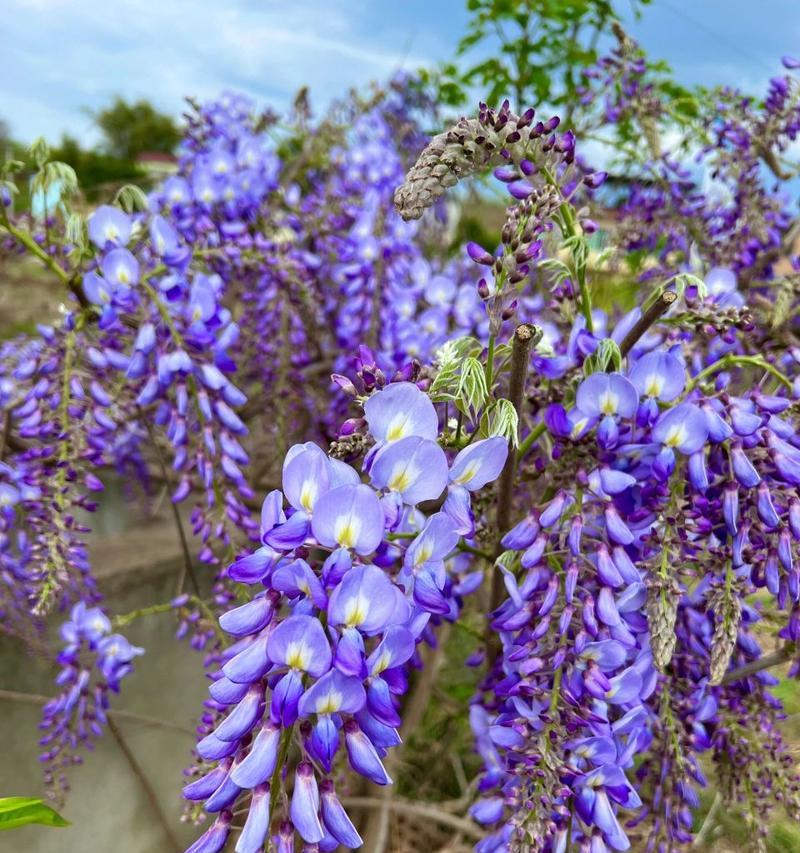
{"points": [[658, 377], [609, 398]]}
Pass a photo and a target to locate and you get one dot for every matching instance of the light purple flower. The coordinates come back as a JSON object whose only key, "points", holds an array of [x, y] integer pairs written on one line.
{"points": [[479, 463], [334, 693], [335, 818], [256, 826], [683, 428], [362, 755], [109, 226], [304, 809], [401, 410], [300, 643], [658, 375], [415, 468], [259, 764], [607, 394], [433, 543], [367, 599], [120, 268], [609, 397], [349, 517]]}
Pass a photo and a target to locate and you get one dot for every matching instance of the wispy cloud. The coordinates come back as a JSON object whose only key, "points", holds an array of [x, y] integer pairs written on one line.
{"points": [[60, 56]]}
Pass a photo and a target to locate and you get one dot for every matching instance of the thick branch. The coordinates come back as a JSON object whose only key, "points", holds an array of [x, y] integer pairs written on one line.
{"points": [[766, 662], [524, 337], [656, 310]]}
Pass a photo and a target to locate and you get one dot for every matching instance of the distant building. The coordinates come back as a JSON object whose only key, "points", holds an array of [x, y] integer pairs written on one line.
{"points": [[156, 164]]}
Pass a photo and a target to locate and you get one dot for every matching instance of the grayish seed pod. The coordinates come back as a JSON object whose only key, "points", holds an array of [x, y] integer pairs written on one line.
{"points": [[663, 596]]}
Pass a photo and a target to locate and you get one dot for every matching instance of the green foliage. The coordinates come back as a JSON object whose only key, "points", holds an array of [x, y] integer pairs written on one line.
{"points": [[528, 50], [5, 136], [132, 128], [679, 284], [131, 199], [55, 173], [477, 227], [39, 152], [728, 829], [447, 385], [439, 755], [472, 391], [19, 811]]}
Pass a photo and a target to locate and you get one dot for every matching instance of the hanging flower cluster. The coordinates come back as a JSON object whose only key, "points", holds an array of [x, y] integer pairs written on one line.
{"points": [[352, 573], [93, 662]]}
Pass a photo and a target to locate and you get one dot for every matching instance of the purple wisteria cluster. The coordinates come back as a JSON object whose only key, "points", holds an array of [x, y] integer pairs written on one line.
{"points": [[352, 572], [728, 202], [596, 577], [93, 662], [174, 304]]}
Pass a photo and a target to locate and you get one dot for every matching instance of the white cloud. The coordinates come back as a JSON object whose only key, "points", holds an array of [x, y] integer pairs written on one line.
{"points": [[62, 55]]}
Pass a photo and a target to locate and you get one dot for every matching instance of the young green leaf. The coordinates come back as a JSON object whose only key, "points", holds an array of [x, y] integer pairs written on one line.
{"points": [[131, 199], [501, 418], [472, 391]]}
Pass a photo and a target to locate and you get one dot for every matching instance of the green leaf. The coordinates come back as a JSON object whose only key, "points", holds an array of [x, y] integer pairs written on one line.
{"points": [[19, 811], [448, 361], [131, 199], [606, 358], [501, 419], [11, 167], [64, 173], [684, 280], [58, 175], [472, 391], [559, 269]]}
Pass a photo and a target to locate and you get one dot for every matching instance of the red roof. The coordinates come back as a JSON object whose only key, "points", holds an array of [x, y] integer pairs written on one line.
{"points": [[155, 157]]}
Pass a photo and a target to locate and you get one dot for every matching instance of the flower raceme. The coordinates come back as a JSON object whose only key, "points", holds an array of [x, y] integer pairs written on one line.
{"points": [[350, 574], [222, 279], [581, 567], [93, 662]]}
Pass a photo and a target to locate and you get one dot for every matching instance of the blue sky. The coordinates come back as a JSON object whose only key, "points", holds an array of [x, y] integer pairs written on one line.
{"points": [[60, 57]]}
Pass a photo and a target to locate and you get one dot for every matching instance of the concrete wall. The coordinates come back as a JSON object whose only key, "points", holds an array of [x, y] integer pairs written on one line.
{"points": [[137, 562]]}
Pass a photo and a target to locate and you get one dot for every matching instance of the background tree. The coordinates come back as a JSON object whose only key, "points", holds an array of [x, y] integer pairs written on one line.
{"points": [[131, 128], [531, 51], [5, 136]]}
